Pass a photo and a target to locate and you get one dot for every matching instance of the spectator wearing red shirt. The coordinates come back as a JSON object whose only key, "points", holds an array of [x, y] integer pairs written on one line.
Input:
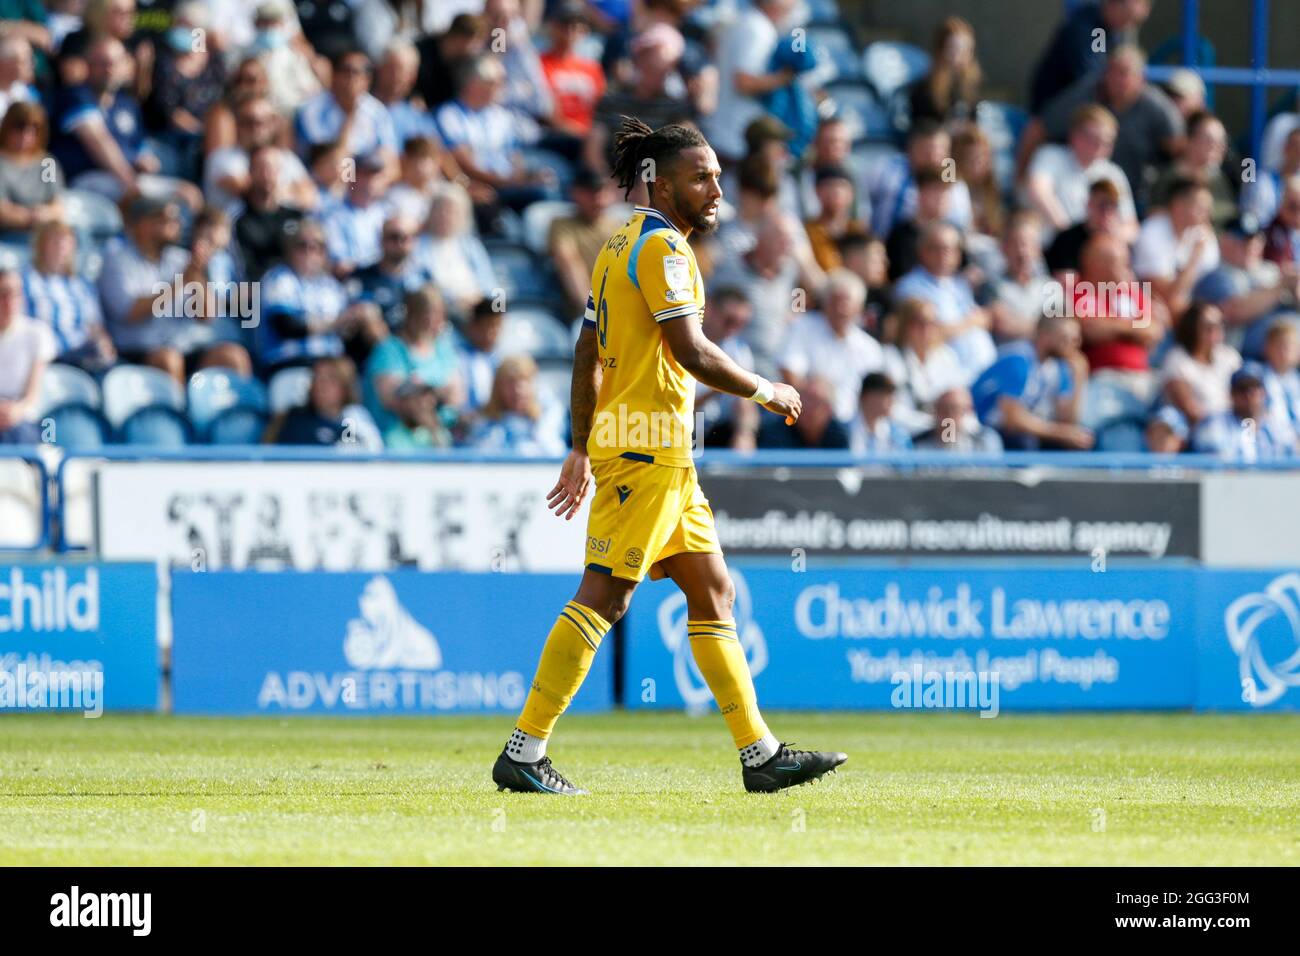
{"points": [[577, 83]]}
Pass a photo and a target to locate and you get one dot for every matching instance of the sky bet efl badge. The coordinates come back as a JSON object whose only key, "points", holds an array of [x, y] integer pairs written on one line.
{"points": [[677, 273]]}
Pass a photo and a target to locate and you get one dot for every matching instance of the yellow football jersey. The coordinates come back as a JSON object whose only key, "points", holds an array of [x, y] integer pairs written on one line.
{"points": [[645, 274]]}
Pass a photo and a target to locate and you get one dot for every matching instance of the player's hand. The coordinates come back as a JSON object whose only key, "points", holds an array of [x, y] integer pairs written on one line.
{"points": [[571, 490], [785, 401]]}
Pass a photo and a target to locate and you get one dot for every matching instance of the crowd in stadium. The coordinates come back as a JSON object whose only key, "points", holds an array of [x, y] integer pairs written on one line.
{"points": [[379, 223]]}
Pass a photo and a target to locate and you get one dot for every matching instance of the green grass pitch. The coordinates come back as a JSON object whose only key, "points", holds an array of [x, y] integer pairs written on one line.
{"points": [[919, 788]]}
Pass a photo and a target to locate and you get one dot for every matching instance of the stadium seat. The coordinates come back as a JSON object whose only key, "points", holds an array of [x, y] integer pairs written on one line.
{"points": [[534, 157], [70, 399], [538, 218], [892, 67], [91, 214], [519, 272], [289, 388], [225, 408], [1122, 434], [823, 13], [556, 376], [1105, 402], [145, 406], [865, 116], [867, 157], [835, 44], [535, 332], [1002, 123]]}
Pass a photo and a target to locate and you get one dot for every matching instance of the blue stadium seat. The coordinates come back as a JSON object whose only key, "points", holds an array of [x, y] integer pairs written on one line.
{"points": [[1122, 434], [1002, 123], [862, 111], [91, 214], [835, 44], [519, 272], [892, 67], [824, 13], [145, 405], [535, 157], [1104, 402], [867, 157], [289, 388], [535, 332], [217, 394], [70, 400]]}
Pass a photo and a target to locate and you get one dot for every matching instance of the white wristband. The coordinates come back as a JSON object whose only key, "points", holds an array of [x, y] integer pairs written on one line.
{"points": [[763, 394]]}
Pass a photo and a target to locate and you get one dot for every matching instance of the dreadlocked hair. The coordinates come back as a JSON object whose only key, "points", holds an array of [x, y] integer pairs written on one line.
{"points": [[635, 142]]}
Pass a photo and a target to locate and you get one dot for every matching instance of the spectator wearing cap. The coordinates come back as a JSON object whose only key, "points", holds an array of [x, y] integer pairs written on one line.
{"points": [[101, 138], [1057, 181], [934, 195], [481, 135], [767, 141], [817, 427], [394, 81], [573, 242], [1201, 159], [1150, 128], [1248, 289], [1166, 431], [949, 92], [452, 252], [921, 365], [1102, 217], [187, 82], [831, 344], [957, 429], [31, 182], [64, 301], [444, 53], [399, 271], [1282, 238], [1197, 370], [1281, 379], [332, 415], [295, 72], [26, 348], [347, 114], [1262, 197], [1244, 432], [1121, 322], [835, 203], [412, 381], [1186, 90], [576, 82], [744, 54], [936, 279], [305, 310], [874, 431], [226, 171], [893, 186], [728, 421], [1033, 392], [261, 222], [520, 418], [1073, 52], [147, 324], [1176, 246], [650, 93], [1018, 291], [353, 225]]}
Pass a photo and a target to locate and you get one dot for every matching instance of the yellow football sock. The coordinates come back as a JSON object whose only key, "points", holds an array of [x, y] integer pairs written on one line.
{"points": [[721, 660], [566, 658]]}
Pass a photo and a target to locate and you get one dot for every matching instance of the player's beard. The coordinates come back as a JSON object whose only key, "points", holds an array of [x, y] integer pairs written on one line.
{"points": [[701, 225]]}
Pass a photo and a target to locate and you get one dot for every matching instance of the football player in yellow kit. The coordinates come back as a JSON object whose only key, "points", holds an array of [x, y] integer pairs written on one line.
{"points": [[638, 357]]}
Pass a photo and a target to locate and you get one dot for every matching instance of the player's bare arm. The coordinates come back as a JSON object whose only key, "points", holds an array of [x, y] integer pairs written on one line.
{"points": [[571, 489], [715, 368]]}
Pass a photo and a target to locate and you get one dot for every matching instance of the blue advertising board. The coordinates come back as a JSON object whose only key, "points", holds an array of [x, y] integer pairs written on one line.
{"points": [[903, 637], [1248, 654], [403, 641], [78, 636]]}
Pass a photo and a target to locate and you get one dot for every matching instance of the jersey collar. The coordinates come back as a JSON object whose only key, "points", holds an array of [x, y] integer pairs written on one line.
{"points": [[654, 212]]}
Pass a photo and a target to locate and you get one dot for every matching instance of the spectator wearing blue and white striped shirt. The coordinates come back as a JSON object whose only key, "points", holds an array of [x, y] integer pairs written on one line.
{"points": [[354, 224], [302, 304], [1244, 432], [65, 302], [347, 112]]}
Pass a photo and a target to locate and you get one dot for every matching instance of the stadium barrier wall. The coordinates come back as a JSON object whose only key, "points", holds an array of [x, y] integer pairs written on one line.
{"points": [[61, 624], [358, 643]]}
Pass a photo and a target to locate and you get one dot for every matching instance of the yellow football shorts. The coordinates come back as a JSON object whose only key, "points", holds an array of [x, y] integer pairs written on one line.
{"points": [[643, 512]]}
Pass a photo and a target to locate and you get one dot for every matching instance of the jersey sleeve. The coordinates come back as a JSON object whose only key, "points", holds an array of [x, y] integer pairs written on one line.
{"points": [[662, 267]]}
